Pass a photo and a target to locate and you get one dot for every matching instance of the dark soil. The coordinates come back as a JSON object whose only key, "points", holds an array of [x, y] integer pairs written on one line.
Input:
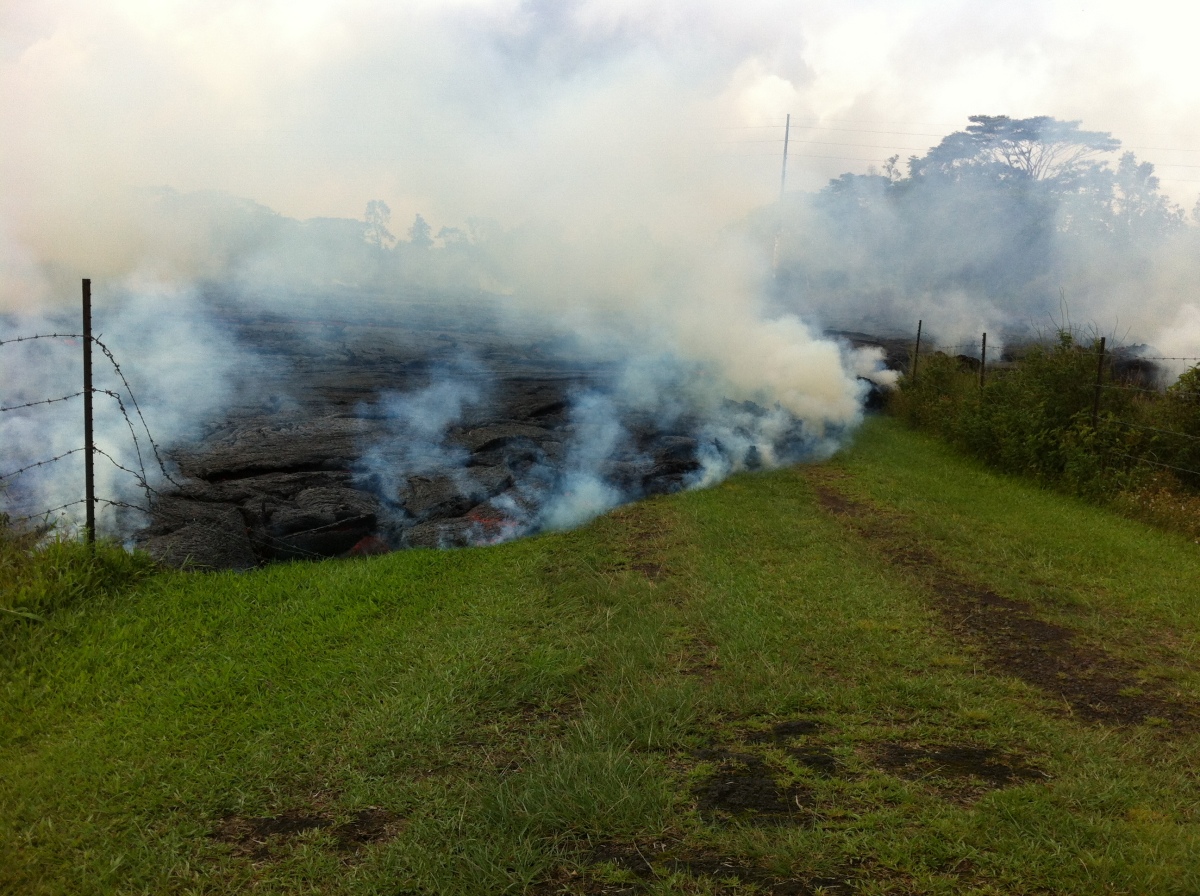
{"points": [[959, 772], [1096, 685], [783, 731], [264, 838], [744, 789], [638, 866], [366, 826]]}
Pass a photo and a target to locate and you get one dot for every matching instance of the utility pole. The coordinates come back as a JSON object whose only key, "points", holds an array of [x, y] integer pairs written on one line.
{"points": [[787, 129]]}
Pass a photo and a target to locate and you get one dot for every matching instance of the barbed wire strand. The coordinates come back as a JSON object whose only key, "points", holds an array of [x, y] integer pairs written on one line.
{"points": [[253, 536], [1161, 393], [261, 537], [1168, 432], [45, 513], [32, 404], [132, 433], [107, 352], [41, 336], [41, 463], [140, 477], [1146, 460], [133, 398]]}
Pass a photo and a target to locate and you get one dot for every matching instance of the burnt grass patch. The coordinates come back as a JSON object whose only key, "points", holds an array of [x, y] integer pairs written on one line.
{"points": [[264, 838], [747, 787], [1092, 683], [646, 540]]}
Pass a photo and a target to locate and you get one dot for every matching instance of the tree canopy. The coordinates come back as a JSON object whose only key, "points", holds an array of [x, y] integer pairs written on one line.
{"points": [[1040, 148], [1004, 212]]}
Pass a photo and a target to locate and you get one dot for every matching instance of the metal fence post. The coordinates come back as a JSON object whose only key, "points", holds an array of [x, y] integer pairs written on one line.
{"points": [[916, 353], [89, 473], [1099, 375]]}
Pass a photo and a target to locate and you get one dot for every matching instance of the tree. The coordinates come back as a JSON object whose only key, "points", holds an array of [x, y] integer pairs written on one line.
{"points": [[1137, 204], [453, 236], [1040, 149], [420, 234], [377, 217]]}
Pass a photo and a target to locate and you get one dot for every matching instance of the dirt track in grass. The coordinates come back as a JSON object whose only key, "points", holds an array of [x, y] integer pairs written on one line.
{"points": [[1091, 683]]}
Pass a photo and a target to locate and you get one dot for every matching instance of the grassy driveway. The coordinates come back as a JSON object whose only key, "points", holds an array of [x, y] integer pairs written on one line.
{"points": [[892, 673]]}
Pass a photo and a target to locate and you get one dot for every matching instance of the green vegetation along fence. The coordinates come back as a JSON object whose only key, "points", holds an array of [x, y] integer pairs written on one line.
{"points": [[1071, 414]]}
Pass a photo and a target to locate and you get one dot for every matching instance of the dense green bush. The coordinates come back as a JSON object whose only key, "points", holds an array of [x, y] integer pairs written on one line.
{"points": [[1039, 417], [1179, 418]]}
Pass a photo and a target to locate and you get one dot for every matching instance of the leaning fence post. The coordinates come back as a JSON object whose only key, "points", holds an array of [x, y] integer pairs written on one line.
{"points": [[1099, 374], [982, 359], [89, 473], [916, 354]]}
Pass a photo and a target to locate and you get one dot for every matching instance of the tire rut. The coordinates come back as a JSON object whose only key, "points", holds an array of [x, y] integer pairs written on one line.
{"points": [[1095, 685]]}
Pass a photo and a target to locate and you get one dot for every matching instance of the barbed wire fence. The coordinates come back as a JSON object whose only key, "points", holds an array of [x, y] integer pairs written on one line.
{"points": [[135, 423], [148, 455], [974, 352]]}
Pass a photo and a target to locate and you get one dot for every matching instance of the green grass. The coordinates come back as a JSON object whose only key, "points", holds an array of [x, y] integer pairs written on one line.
{"points": [[530, 714]]}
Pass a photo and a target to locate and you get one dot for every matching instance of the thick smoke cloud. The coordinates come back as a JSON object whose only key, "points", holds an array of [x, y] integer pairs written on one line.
{"points": [[969, 241], [589, 113], [580, 165]]}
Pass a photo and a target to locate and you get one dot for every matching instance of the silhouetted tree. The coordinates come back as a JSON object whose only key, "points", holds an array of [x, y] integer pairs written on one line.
{"points": [[377, 217], [1138, 207], [420, 234], [1040, 148]]}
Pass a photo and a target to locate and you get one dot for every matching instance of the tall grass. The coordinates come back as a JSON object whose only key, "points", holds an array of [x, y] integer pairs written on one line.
{"points": [[41, 572]]}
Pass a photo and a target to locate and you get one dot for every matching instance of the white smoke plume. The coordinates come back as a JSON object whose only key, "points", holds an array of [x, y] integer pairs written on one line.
{"points": [[178, 370], [578, 168]]}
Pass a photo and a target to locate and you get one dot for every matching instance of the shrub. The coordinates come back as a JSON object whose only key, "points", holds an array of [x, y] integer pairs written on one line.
{"points": [[1177, 416], [1037, 418]]}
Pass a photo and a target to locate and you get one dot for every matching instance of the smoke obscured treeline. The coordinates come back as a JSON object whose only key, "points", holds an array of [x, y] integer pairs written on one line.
{"points": [[1002, 227]]}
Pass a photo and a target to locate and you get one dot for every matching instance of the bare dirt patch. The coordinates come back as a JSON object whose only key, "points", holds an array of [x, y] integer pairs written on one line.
{"points": [[744, 789], [1092, 683], [265, 838], [959, 771], [626, 869], [697, 658], [366, 826], [505, 742], [646, 539]]}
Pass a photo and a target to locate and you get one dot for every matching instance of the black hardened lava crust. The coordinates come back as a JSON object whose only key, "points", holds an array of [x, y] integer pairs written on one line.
{"points": [[282, 475]]}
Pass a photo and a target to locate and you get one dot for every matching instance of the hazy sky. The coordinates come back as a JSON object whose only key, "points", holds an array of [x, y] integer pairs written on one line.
{"points": [[667, 114]]}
